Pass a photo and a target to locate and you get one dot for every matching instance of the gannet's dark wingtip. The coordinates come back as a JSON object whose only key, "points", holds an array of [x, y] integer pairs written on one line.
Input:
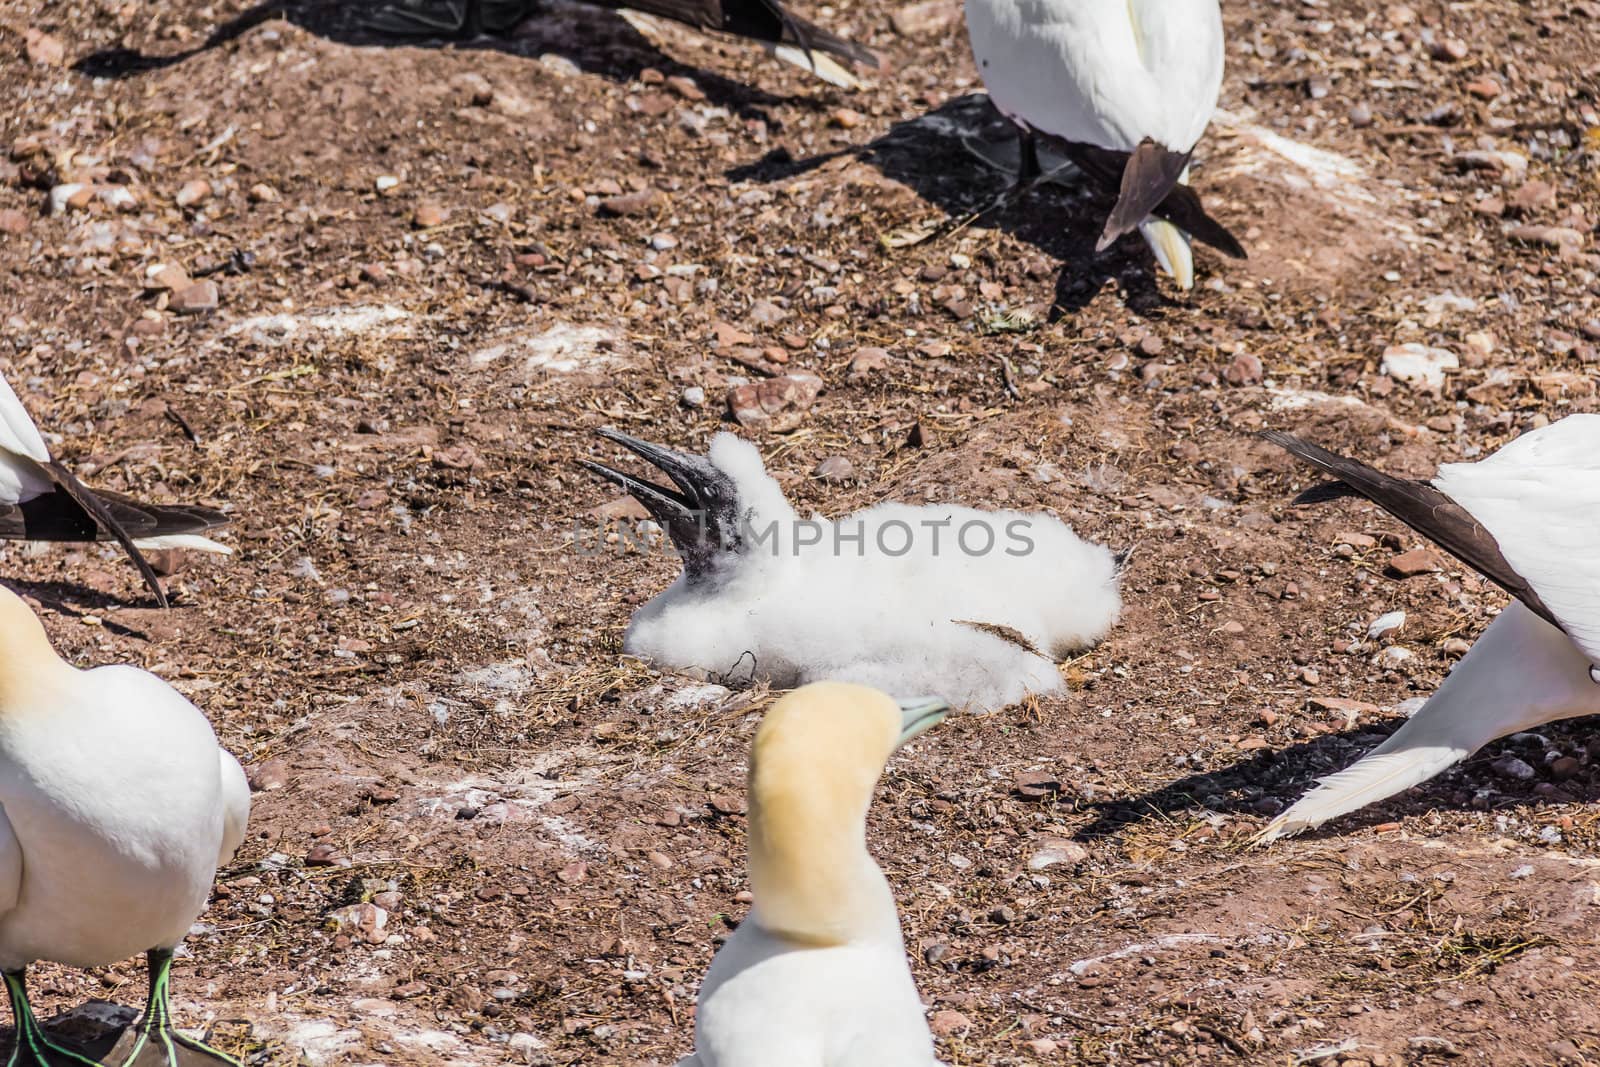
{"points": [[85, 498], [1420, 506]]}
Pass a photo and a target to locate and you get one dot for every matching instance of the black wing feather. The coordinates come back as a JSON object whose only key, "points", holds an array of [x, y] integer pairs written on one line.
{"points": [[1421, 507]]}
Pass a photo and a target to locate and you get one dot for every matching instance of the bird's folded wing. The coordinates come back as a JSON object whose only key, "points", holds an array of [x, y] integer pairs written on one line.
{"points": [[1539, 497], [18, 434], [1423, 508], [760, 20]]}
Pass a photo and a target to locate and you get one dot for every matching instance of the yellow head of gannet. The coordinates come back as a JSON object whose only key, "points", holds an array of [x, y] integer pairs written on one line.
{"points": [[819, 968], [116, 808]]}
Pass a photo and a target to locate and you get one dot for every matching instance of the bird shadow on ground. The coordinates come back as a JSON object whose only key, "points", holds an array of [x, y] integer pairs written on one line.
{"points": [[1060, 218], [597, 40], [1272, 779], [75, 601]]}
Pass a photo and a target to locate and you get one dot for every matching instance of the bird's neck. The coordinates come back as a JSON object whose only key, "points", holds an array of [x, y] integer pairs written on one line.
{"points": [[30, 670], [814, 883]]}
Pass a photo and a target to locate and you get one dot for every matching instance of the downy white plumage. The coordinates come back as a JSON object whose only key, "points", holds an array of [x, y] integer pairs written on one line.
{"points": [[976, 605], [1526, 518], [116, 807], [1125, 88], [40, 500], [816, 975]]}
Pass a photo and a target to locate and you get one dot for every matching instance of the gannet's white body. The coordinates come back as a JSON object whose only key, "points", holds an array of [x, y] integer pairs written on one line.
{"points": [[816, 975], [116, 806], [1111, 74], [895, 596], [1529, 518]]}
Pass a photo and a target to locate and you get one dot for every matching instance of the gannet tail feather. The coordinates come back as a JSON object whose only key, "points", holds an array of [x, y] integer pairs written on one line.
{"points": [[1150, 173], [821, 64], [1376, 776], [1421, 507], [86, 499]]}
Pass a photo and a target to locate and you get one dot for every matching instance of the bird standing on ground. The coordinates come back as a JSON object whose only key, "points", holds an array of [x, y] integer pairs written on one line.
{"points": [[1527, 518], [787, 36], [1124, 88], [40, 500], [816, 975], [116, 807], [977, 605]]}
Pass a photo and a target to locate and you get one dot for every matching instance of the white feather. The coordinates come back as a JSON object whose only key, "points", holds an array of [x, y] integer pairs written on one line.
{"points": [[850, 606], [1171, 248], [1539, 497], [22, 451], [192, 542], [821, 64], [1522, 673], [1102, 72]]}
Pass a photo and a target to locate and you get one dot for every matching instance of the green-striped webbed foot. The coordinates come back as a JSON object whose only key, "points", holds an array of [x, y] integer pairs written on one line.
{"points": [[33, 1047], [152, 1041]]}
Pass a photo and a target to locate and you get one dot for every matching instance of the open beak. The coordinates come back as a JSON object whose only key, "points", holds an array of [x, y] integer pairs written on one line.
{"points": [[919, 714], [699, 514]]}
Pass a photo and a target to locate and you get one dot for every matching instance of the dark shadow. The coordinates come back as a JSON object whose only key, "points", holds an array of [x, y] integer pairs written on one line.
{"points": [[1272, 779], [1062, 220], [76, 602], [598, 40]]}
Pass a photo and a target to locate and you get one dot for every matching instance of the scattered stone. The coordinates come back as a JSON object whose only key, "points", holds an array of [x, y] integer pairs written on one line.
{"points": [[727, 335], [693, 397], [947, 1022], [1563, 767], [573, 873], [727, 804], [834, 469], [866, 360], [686, 88], [1418, 365], [1534, 196], [73, 196], [1350, 709], [778, 403], [384, 183], [1245, 369], [262, 193], [1233, 628], [1512, 767], [324, 854], [361, 922], [928, 17], [14, 222], [1394, 657], [1417, 561], [1448, 50], [265, 777], [429, 214], [1558, 237], [43, 49], [1057, 850], [1494, 162], [1386, 623], [1484, 88], [195, 298], [640, 203], [193, 192], [1037, 785]]}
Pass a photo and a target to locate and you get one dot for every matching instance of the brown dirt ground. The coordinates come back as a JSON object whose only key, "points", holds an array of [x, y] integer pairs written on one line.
{"points": [[391, 406]]}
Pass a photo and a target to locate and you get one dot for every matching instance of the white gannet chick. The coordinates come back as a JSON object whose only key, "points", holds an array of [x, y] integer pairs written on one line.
{"points": [[782, 33], [40, 500], [116, 808], [816, 975], [1526, 517], [1124, 88], [977, 605]]}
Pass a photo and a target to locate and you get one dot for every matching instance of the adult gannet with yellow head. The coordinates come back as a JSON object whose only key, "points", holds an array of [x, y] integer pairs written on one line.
{"points": [[1125, 88], [41, 500], [116, 807], [816, 975], [1525, 517]]}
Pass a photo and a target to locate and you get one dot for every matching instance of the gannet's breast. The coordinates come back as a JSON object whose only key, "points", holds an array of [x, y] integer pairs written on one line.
{"points": [[766, 1003], [114, 793], [1109, 73], [1539, 497]]}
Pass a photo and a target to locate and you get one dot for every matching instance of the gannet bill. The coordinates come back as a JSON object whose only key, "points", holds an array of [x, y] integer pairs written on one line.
{"points": [[117, 805], [977, 605], [1526, 517], [40, 500], [816, 975], [781, 32], [1124, 88]]}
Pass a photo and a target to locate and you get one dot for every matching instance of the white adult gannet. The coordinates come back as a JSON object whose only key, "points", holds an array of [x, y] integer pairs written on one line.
{"points": [[977, 605], [40, 500], [816, 975], [785, 35], [1124, 88], [116, 808], [1528, 518]]}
